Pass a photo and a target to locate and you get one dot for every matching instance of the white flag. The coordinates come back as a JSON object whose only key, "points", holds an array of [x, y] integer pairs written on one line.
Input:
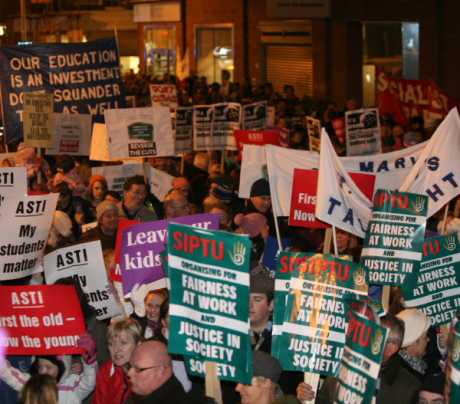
{"points": [[437, 171], [390, 169], [339, 201]]}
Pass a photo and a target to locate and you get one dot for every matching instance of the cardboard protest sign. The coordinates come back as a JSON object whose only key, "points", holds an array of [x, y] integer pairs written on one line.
{"points": [[40, 320], [183, 130], [434, 288], [85, 263], [393, 243], [160, 182], [116, 176], [37, 118], [303, 199], [139, 132], [209, 300], [13, 181], [363, 132], [314, 323], [360, 364], [257, 137], [255, 116], [71, 134], [163, 95], [226, 118], [141, 245], [99, 150], [26, 222], [202, 126], [314, 133], [454, 368], [83, 78]]}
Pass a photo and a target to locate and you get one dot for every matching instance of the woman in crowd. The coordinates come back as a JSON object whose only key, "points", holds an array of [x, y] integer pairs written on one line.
{"points": [[97, 190], [40, 389], [112, 384]]}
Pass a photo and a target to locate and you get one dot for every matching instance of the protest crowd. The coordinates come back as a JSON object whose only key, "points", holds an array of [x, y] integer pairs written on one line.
{"points": [[311, 309]]}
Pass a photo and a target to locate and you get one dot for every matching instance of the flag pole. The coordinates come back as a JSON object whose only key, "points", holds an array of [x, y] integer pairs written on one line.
{"points": [[444, 220], [334, 240]]}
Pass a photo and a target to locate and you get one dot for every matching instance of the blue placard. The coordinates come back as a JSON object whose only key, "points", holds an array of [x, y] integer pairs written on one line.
{"points": [[85, 78]]}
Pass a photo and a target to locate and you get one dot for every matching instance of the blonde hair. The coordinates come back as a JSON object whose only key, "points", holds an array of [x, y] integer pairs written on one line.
{"points": [[128, 325]]}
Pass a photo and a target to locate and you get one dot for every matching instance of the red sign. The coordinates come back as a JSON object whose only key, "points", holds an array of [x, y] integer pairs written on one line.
{"points": [[412, 97], [40, 320], [115, 274], [303, 196], [257, 137]]}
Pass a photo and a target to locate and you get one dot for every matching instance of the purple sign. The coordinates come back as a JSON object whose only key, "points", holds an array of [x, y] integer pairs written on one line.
{"points": [[142, 244]]}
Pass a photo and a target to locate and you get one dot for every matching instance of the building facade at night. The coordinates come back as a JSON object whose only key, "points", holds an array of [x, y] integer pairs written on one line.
{"points": [[325, 48]]}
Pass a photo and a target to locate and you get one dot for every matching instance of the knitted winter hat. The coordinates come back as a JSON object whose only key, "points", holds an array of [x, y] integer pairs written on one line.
{"points": [[55, 360], [104, 207]]}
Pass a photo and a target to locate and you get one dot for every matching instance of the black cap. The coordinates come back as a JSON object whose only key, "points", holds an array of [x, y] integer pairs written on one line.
{"points": [[266, 366], [260, 188], [434, 383]]}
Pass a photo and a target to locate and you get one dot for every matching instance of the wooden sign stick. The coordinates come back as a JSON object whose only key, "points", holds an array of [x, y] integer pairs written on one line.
{"points": [[212, 382]]}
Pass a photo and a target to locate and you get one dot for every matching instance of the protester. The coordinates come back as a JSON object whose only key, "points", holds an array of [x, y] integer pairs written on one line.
{"points": [[176, 204], [40, 389], [107, 225], [97, 190], [132, 207], [264, 388], [151, 376], [72, 388], [147, 305], [112, 384], [432, 390]]}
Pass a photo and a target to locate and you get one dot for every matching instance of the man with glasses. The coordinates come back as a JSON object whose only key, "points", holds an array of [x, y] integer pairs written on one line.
{"points": [[151, 376], [132, 207]]}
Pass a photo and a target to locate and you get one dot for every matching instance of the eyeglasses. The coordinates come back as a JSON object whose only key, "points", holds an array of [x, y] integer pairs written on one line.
{"points": [[435, 401], [140, 370]]}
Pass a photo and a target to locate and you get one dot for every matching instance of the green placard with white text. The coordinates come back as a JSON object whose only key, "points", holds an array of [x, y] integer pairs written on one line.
{"points": [[209, 300], [435, 289], [313, 331], [393, 243], [360, 364]]}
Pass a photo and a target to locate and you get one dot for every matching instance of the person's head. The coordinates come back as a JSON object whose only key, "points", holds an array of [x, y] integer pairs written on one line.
{"points": [[260, 299], [252, 224], [97, 187], [398, 132], [201, 160], [214, 170], [395, 338], [176, 204], [260, 195], [65, 196], [40, 389], [65, 164], [134, 192], [107, 217], [181, 184], [351, 104], [343, 240], [48, 365], [153, 302], [123, 337], [416, 325], [266, 374], [432, 390], [150, 367], [225, 217], [112, 196]]}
